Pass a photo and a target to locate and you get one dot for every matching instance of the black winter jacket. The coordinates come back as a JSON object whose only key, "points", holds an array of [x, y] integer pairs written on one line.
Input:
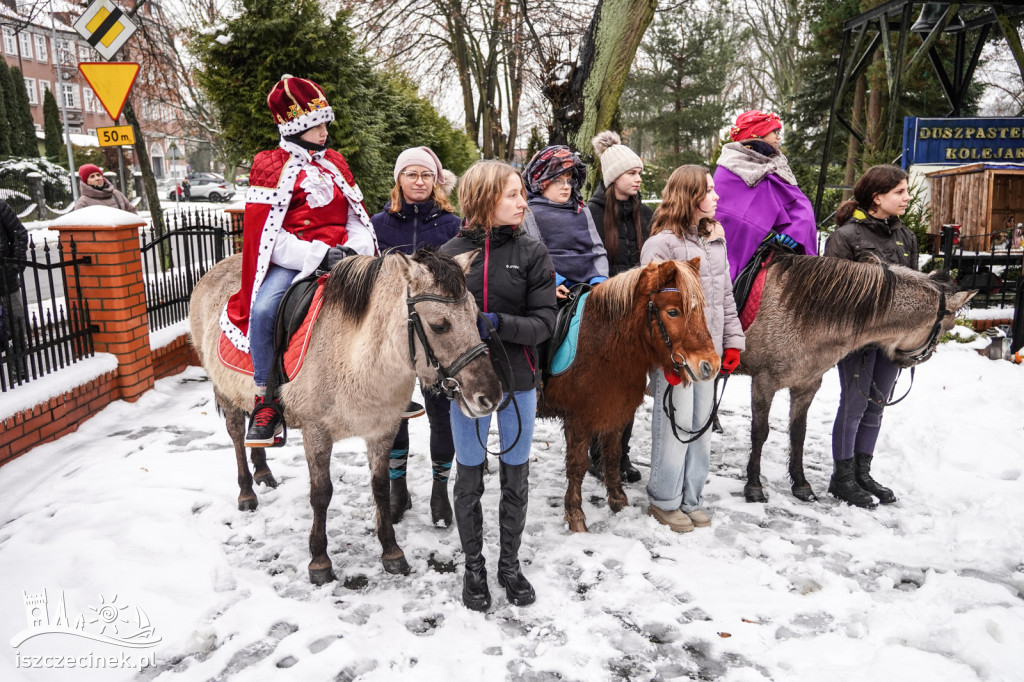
{"points": [[13, 244], [515, 271], [863, 234], [628, 255]]}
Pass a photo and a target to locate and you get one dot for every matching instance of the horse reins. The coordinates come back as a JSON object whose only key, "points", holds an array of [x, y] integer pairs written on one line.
{"points": [[446, 375], [917, 355], [678, 366]]}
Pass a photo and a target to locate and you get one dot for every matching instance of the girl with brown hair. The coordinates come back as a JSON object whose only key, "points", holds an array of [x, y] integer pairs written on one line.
{"points": [[684, 228]]}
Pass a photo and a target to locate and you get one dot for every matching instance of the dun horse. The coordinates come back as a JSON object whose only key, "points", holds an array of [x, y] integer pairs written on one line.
{"points": [[649, 318], [815, 311], [359, 371]]}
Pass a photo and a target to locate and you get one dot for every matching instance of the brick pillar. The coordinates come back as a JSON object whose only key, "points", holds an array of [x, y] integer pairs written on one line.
{"points": [[113, 286]]}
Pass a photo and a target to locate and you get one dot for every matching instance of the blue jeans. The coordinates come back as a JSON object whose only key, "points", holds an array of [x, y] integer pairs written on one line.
{"points": [[678, 471], [859, 420], [469, 452], [263, 317]]}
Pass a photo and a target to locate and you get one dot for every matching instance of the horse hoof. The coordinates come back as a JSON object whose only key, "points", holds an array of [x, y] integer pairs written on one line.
{"points": [[397, 566], [804, 493], [578, 526], [248, 504], [266, 479], [321, 576], [617, 501], [754, 494]]}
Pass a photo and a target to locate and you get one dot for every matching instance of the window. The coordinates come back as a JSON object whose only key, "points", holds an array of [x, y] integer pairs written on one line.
{"points": [[85, 54], [26, 45], [75, 129], [91, 131], [62, 53], [44, 87], [71, 95], [30, 87], [10, 42], [41, 52], [88, 99]]}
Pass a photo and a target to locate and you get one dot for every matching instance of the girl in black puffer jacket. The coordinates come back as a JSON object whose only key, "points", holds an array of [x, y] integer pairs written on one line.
{"points": [[624, 224], [513, 282]]}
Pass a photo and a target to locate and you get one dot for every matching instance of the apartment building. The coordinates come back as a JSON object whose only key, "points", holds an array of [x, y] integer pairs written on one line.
{"points": [[38, 38]]}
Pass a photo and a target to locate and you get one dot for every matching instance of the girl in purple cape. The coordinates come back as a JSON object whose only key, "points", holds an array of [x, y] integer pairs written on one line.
{"points": [[758, 192]]}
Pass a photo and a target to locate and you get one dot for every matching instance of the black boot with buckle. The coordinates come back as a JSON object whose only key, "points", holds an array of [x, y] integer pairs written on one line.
{"points": [[469, 517], [844, 485]]}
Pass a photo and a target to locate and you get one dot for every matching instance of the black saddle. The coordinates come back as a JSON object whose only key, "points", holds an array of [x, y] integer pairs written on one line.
{"points": [[290, 313]]}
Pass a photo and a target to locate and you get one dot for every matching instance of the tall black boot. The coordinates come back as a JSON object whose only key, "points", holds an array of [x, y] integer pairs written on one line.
{"points": [[862, 469], [844, 486], [515, 493], [469, 517]]}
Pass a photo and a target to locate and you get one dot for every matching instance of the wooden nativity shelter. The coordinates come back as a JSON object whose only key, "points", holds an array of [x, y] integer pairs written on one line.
{"points": [[980, 198]]}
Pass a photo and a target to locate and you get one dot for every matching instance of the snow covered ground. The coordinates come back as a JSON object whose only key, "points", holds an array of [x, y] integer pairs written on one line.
{"points": [[137, 508]]}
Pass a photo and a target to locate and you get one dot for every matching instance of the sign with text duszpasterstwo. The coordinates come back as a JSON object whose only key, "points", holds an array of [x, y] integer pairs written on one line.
{"points": [[957, 141]]}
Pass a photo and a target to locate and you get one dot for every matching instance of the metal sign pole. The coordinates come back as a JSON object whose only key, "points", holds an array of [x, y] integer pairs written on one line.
{"points": [[120, 163]]}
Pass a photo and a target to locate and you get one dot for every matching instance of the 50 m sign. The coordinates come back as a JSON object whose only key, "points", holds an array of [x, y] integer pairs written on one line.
{"points": [[115, 136]]}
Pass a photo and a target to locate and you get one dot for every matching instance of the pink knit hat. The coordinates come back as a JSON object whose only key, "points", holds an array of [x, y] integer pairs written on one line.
{"points": [[425, 156]]}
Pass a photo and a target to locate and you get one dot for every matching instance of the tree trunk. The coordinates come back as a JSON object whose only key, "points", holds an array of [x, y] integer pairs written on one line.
{"points": [[873, 139], [146, 167], [857, 123], [589, 104]]}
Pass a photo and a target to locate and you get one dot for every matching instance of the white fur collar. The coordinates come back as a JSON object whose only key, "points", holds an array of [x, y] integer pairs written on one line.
{"points": [[752, 167]]}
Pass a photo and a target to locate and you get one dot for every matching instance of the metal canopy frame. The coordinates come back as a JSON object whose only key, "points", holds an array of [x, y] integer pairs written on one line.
{"points": [[888, 26]]}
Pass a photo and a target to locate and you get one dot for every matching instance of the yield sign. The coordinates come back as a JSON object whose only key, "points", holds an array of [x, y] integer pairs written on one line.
{"points": [[111, 82]]}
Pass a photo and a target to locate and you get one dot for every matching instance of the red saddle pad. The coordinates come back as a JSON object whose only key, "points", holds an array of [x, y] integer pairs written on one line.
{"points": [[240, 361], [753, 300]]}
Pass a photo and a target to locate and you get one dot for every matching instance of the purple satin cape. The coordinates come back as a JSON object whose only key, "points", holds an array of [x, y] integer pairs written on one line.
{"points": [[748, 213]]}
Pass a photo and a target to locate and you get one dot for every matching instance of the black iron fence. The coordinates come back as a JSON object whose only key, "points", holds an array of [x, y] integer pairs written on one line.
{"points": [[45, 324], [192, 242], [994, 273]]}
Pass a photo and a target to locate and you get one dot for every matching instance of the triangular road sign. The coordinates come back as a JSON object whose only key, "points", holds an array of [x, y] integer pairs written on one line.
{"points": [[111, 82]]}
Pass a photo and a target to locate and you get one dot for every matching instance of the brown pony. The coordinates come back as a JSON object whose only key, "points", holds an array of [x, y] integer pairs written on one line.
{"points": [[816, 310], [358, 373], [644, 319]]}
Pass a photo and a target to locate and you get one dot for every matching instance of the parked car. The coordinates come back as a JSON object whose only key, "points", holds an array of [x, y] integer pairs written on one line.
{"points": [[206, 189]]}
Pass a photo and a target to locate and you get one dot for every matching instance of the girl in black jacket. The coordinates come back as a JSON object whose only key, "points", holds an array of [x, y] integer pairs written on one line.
{"points": [[513, 282], [624, 224]]}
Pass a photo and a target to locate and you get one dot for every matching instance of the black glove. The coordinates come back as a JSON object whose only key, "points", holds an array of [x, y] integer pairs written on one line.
{"points": [[335, 254]]}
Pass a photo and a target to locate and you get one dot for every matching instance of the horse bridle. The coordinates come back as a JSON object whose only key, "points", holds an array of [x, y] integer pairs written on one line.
{"points": [[446, 375], [654, 315], [925, 350], [917, 356]]}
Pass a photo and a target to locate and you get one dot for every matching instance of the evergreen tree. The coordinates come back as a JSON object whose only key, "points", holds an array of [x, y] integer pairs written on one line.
{"points": [[534, 144], [23, 130], [52, 128], [676, 101], [376, 116], [5, 124]]}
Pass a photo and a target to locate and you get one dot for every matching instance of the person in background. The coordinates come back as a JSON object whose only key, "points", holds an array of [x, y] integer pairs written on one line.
{"points": [[684, 228], [513, 282], [96, 190], [869, 228], [419, 214], [560, 219], [624, 224], [14, 336], [303, 213], [758, 192], [186, 189]]}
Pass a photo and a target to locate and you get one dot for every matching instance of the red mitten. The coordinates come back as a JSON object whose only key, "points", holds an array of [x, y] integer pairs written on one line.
{"points": [[672, 378], [730, 360]]}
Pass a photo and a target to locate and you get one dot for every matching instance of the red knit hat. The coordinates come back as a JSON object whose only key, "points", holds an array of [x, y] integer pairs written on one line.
{"points": [[297, 105], [84, 171], [754, 123]]}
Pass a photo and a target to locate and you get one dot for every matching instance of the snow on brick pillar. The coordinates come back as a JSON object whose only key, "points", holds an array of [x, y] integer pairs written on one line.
{"points": [[113, 286]]}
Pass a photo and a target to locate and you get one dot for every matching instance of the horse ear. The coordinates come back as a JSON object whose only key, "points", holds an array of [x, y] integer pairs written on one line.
{"points": [[960, 299], [465, 260], [695, 262]]}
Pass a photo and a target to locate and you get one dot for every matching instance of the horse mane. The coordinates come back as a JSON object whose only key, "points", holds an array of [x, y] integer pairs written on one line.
{"points": [[616, 297], [446, 272], [834, 292], [351, 283]]}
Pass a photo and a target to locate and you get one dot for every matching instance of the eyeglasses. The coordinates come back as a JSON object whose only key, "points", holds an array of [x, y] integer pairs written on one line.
{"points": [[413, 176], [566, 181]]}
